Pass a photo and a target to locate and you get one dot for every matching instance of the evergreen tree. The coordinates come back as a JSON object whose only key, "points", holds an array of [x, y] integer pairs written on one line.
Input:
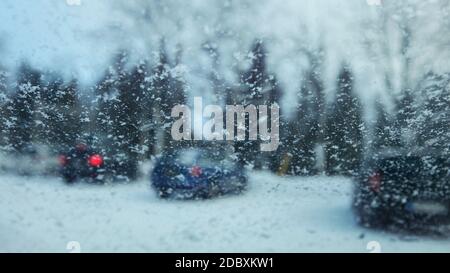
{"points": [[383, 129], [304, 130], [304, 137], [344, 131], [404, 121], [167, 91], [45, 114], [255, 79], [216, 79], [57, 113], [23, 106], [4, 113], [160, 85], [147, 102], [107, 102], [128, 121], [178, 96], [433, 119], [68, 111], [258, 88]]}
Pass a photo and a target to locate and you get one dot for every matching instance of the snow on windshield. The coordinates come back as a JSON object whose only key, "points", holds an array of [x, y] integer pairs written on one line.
{"points": [[332, 117]]}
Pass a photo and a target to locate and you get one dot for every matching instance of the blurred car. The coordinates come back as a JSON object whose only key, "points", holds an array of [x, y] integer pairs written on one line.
{"points": [[409, 190], [82, 162], [201, 172], [31, 160], [409, 187]]}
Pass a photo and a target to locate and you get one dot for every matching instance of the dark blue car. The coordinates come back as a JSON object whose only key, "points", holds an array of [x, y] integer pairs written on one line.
{"points": [[198, 173]]}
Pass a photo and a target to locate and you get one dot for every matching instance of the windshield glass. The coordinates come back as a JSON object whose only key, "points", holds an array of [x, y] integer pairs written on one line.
{"points": [[244, 126]]}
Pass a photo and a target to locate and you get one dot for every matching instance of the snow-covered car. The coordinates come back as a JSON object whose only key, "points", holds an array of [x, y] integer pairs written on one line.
{"points": [[198, 173], [82, 162], [31, 160], [410, 186], [408, 190]]}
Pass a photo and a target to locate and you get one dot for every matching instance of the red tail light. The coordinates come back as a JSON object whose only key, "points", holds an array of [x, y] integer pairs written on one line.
{"points": [[375, 182], [62, 160], [95, 161], [196, 171]]}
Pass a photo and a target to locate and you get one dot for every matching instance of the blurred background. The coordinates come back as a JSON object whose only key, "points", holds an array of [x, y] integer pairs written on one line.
{"points": [[349, 75]]}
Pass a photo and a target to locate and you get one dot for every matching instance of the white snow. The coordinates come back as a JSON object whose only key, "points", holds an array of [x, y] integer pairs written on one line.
{"points": [[274, 215]]}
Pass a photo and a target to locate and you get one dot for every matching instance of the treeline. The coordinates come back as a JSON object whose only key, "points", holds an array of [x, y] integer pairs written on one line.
{"points": [[126, 115]]}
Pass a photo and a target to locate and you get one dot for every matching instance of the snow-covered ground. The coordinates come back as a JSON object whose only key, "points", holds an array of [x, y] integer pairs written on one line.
{"points": [[275, 215]]}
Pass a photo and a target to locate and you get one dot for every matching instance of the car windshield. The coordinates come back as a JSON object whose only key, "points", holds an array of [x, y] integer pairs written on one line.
{"points": [[224, 126]]}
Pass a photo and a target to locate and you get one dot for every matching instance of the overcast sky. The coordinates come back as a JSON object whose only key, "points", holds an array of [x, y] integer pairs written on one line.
{"points": [[80, 36], [53, 33]]}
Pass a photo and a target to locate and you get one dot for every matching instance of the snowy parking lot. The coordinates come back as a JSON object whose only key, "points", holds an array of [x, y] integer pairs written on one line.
{"points": [[274, 215]]}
